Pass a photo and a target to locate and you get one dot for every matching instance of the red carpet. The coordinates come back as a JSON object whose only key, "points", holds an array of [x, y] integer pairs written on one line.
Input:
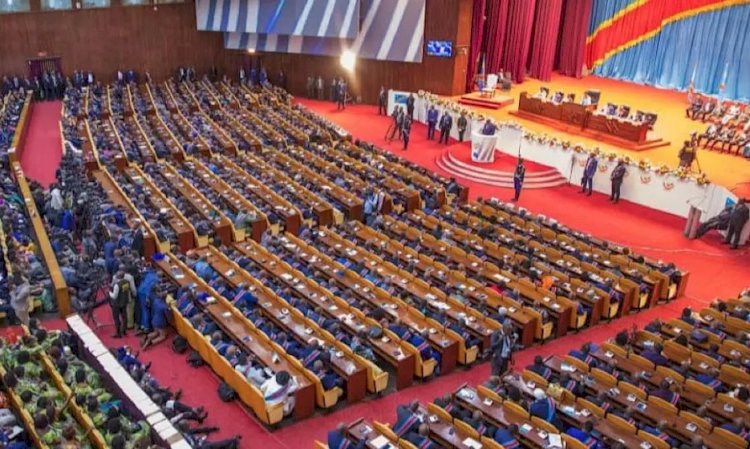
{"points": [[43, 149], [715, 271]]}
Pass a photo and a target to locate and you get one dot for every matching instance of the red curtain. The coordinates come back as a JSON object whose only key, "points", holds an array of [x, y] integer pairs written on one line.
{"points": [[518, 37], [497, 22], [477, 35], [544, 41], [575, 27]]}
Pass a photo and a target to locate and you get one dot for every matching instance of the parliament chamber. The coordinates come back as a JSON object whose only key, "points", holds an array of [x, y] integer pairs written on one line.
{"points": [[212, 238]]}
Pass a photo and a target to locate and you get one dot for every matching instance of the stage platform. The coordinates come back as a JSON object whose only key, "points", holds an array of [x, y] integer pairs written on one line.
{"points": [[498, 101], [651, 143], [672, 126], [456, 160]]}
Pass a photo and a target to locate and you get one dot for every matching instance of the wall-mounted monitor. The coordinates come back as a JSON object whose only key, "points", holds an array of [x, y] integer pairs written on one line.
{"points": [[443, 49]]}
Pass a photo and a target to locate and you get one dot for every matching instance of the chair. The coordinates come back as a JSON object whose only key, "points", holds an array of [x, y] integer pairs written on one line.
{"points": [[733, 376], [487, 393], [466, 429], [730, 437], [320, 445], [489, 88], [384, 430], [572, 442], [593, 408], [672, 374], [406, 444], [653, 440], [530, 376], [517, 409], [629, 388], [489, 443], [620, 423], [614, 349], [579, 364], [542, 424], [440, 412], [702, 389], [604, 377], [642, 362], [662, 405], [697, 420]]}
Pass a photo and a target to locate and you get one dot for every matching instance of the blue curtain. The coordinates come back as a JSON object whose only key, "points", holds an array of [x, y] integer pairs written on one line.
{"points": [[605, 9], [708, 44]]}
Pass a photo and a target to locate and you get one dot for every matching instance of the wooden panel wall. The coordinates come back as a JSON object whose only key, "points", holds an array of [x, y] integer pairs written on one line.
{"points": [[160, 39], [444, 20], [105, 39]]}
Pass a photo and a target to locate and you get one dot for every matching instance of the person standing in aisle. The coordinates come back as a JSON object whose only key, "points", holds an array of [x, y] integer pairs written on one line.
{"points": [[518, 177], [383, 101], [618, 174], [461, 123], [432, 119], [446, 123]]}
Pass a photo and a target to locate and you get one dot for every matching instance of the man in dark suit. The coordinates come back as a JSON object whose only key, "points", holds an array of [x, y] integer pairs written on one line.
{"points": [[737, 220], [383, 101], [518, 177], [462, 123], [410, 106], [589, 170], [618, 174], [446, 123], [432, 118]]}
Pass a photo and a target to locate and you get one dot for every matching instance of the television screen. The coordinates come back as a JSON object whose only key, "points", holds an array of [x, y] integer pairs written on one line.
{"points": [[443, 49]]}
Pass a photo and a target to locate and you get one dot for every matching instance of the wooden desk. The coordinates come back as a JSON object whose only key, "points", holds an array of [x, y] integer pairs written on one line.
{"points": [[499, 414], [363, 430], [200, 204], [257, 167], [477, 324], [186, 235], [584, 117], [334, 307], [134, 217], [232, 198], [441, 341], [242, 332], [286, 210], [302, 330], [622, 128]]}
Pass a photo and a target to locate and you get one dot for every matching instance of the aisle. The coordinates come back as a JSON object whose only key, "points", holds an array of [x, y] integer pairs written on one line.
{"points": [[43, 149]]}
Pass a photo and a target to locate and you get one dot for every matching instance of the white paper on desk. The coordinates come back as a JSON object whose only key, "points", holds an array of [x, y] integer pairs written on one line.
{"points": [[472, 443], [380, 442], [554, 440]]}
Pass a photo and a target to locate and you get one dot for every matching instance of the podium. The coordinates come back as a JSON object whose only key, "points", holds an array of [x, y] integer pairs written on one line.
{"points": [[483, 147]]}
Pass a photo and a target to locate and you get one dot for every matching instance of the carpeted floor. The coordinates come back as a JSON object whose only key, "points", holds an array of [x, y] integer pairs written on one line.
{"points": [[715, 271], [43, 149]]}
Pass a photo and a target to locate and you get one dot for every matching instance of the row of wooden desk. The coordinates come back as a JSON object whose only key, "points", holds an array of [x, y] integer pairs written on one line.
{"points": [[391, 350], [246, 337], [286, 317], [612, 256], [584, 117]]}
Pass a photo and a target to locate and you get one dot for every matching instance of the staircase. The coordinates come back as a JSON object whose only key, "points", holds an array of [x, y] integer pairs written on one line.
{"points": [[533, 180]]}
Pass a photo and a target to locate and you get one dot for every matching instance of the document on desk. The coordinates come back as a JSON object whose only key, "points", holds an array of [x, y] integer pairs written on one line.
{"points": [[380, 442], [472, 443], [554, 440]]}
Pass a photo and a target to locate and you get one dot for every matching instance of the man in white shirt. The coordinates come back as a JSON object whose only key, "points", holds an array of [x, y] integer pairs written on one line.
{"points": [[280, 389]]}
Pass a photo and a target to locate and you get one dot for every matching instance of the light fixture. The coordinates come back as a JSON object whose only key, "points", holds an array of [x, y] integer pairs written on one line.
{"points": [[348, 60], [251, 50]]}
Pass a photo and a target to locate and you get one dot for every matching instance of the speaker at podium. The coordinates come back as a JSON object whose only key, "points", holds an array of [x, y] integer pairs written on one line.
{"points": [[483, 147]]}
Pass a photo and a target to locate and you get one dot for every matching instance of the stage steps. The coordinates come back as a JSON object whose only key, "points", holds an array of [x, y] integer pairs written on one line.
{"points": [[498, 101], [497, 178]]}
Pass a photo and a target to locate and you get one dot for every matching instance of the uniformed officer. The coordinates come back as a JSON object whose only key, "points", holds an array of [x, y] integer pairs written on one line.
{"points": [[446, 123]]}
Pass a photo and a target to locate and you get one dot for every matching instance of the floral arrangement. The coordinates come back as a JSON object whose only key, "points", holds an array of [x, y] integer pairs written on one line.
{"points": [[644, 165]]}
